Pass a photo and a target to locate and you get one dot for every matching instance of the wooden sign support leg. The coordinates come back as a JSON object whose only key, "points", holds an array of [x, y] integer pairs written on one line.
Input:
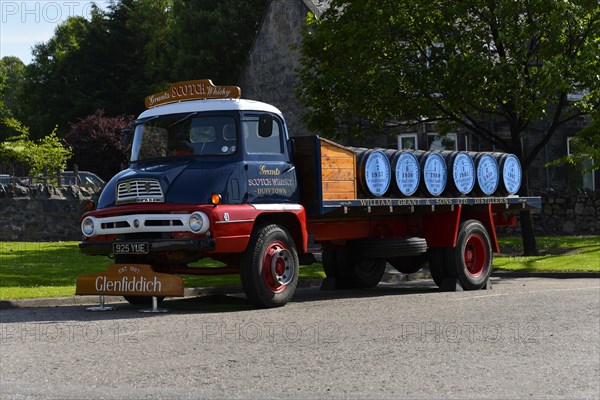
{"points": [[100, 306]]}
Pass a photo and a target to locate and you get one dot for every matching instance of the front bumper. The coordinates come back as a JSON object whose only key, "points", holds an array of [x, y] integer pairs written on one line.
{"points": [[94, 247]]}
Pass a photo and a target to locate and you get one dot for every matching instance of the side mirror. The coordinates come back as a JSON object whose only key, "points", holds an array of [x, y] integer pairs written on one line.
{"points": [[126, 135], [265, 125]]}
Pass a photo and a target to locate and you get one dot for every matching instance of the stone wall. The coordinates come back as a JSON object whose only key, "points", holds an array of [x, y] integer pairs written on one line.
{"points": [[42, 213], [47, 213], [569, 213], [564, 213]]}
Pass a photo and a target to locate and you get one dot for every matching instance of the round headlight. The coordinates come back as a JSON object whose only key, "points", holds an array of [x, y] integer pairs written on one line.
{"points": [[196, 222], [87, 226]]}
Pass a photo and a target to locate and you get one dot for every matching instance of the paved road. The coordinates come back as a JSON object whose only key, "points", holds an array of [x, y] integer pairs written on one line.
{"points": [[526, 338]]}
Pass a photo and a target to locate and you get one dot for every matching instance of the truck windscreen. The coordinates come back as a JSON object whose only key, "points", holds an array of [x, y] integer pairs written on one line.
{"points": [[184, 135]]}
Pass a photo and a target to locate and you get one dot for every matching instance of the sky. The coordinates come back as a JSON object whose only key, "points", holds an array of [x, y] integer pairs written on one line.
{"points": [[23, 23]]}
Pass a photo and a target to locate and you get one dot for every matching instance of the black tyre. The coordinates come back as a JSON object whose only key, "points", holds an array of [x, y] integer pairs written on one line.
{"points": [[437, 264], [409, 265], [366, 273], [336, 265], [142, 300], [330, 264], [353, 270], [471, 259], [386, 248], [269, 268]]}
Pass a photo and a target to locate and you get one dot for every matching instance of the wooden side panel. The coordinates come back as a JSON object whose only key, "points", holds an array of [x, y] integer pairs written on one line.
{"points": [[338, 171]]}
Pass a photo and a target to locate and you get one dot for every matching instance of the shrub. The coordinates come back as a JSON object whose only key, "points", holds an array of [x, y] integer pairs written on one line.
{"points": [[98, 145]]}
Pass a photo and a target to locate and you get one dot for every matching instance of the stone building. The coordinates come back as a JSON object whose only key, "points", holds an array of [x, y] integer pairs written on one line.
{"points": [[269, 76], [269, 73]]}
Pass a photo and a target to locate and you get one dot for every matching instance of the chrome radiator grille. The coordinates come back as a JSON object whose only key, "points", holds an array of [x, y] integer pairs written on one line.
{"points": [[139, 191]]}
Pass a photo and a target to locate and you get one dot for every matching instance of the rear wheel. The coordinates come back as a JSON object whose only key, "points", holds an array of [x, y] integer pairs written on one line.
{"points": [[409, 265], [437, 264], [270, 266], [471, 259], [366, 273], [330, 264], [352, 271]]}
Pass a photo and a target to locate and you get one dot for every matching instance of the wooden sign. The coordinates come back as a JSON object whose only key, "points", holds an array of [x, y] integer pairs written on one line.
{"points": [[193, 90], [129, 280]]}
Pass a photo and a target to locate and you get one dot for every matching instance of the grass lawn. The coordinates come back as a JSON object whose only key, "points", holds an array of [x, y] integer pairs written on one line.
{"points": [[49, 269], [30, 270], [557, 253]]}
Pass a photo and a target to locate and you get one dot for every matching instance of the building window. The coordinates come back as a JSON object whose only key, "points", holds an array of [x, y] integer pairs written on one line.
{"points": [[448, 141], [408, 142], [576, 178]]}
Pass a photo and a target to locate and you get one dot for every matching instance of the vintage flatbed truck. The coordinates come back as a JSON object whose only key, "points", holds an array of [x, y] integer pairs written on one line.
{"points": [[216, 176]]}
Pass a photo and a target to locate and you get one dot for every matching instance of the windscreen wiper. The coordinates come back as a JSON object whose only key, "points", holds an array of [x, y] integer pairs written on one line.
{"points": [[183, 119], [144, 120]]}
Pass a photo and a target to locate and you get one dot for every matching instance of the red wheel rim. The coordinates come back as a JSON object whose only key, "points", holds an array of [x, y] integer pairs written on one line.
{"points": [[475, 255], [277, 266]]}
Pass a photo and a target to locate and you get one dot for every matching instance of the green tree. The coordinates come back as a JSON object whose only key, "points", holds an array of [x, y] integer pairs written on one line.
{"points": [[212, 39], [4, 113], [52, 92], [14, 71], [585, 148], [44, 156], [110, 62], [473, 63], [131, 50], [14, 148], [48, 155]]}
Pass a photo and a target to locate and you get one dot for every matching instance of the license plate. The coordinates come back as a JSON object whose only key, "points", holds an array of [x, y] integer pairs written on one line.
{"points": [[130, 248]]}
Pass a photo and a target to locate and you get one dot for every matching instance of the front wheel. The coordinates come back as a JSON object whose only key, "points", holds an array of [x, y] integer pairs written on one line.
{"points": [[270, 267], [143, 300]]}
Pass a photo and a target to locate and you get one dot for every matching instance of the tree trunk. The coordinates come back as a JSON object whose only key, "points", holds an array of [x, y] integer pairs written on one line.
{"points": [[527, 231], [528, 234]]}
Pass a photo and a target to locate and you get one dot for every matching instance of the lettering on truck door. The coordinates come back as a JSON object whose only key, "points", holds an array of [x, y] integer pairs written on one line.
{"points": [[271, 176]]}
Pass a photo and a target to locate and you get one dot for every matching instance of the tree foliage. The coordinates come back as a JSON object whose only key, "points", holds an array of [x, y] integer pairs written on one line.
{"points": [[44, 156], [12, 73], [212, 38], [50, 96], [475, 64], [585, 148], [98, 145], [48, 155], [478, 64], [132, 49]]}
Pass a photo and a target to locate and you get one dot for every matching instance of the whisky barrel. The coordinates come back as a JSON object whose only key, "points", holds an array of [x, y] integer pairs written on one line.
{"points": [[510, 173], [461, 175], [406, 172], [434, 173], [374, 172], [488, 174]]}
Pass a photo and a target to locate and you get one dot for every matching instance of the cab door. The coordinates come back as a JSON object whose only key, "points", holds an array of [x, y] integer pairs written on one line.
{"points": [[270, 172]]}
